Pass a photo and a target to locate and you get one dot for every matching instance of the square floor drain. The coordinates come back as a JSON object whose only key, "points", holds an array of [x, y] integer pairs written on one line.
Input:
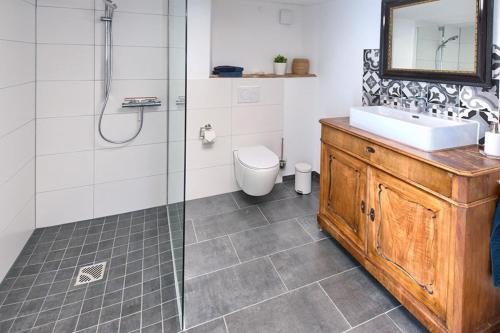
{"points": [[90, 273]]}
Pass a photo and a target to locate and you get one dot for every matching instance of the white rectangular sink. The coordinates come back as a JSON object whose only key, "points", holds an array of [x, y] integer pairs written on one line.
{"points": [[420, 130]]}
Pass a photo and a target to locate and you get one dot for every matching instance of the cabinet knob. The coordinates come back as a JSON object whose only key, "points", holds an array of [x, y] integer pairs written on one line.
{"points": [[372, 215], [370, 150]]}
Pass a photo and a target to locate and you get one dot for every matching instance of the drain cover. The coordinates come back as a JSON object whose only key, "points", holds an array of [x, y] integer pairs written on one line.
{"points": [[90, 273]]}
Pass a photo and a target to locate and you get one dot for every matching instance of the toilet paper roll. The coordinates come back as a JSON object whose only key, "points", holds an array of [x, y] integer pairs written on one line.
{"points": [[209, 136]]}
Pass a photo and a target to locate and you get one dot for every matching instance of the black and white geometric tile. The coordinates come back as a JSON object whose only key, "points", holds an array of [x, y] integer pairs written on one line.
{"points": [[412, 89], [391, 88], [446, 94], [477, 98], [370, 100], [496, 62], [371, 59], [371, 83]]}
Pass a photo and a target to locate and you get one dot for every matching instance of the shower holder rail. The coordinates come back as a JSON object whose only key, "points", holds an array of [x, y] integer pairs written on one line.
{"points": [[140, 102]]}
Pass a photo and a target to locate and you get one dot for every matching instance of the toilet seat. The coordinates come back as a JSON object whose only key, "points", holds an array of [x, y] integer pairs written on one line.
{"points": [[257, 157], [256, 169]]}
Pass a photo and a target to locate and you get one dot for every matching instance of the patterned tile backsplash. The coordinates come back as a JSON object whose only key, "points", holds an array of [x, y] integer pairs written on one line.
{"points": [[480, 104]]}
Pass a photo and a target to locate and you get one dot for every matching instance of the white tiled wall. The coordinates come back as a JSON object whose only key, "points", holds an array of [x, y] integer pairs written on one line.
{"points": [[79, 175], [17, 128], [215, 101]]}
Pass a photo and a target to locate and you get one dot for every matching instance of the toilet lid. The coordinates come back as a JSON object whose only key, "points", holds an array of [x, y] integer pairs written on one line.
{"points": [[257, 157]]}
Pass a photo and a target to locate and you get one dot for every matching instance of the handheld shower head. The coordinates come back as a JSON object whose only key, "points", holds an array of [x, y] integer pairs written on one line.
{"points": [[111, 4]]}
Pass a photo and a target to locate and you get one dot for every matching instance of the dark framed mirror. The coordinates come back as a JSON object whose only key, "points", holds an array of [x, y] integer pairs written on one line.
{"points": [[447, 41]]}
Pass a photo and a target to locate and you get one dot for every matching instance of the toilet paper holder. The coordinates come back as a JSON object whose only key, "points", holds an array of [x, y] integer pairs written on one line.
{"points": [[203, 129]]}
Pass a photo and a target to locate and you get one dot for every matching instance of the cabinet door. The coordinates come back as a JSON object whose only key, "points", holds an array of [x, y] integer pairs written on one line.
{"points": [[343, 198], [409, 238]]}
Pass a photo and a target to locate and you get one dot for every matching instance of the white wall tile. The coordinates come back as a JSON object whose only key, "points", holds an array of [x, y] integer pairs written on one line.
{"points": [[199, 155], [131, 29], [63, 135], [64, 98], [121, 89], [175, 187], [17, 21], [130, 162], [64, 206], [56, 172], [270, 140], [65, 25], [257, 119], [18, 107], [144, 6], [138, 63], [125, 196], [18, 65], [176, 121], [16, 150], [65, 62], [177, 31], [177, 63], [16, 193], [122, 126], [219, 118], [210, 181], [15, 235], [176, 157], [271, 90], [84, 4], [209, 93]]}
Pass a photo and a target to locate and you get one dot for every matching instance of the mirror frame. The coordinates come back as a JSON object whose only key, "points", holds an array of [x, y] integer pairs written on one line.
{"points": [[481, 77]]}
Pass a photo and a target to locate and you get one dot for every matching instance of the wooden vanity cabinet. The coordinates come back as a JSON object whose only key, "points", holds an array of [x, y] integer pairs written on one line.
{"points": [[418, 222]]}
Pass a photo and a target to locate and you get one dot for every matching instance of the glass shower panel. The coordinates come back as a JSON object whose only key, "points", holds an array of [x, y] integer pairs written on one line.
{"points": [[176, 150]]}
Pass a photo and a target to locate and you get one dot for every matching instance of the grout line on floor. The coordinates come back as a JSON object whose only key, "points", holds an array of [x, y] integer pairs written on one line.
{"points": [[236, 202], [279, 275], [265, 217], [302, 227], [225, 324], [234, 248], [334, 304]]}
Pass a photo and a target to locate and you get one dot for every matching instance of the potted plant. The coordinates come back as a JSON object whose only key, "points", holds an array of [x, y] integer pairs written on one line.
{"points": [[280, 65]]}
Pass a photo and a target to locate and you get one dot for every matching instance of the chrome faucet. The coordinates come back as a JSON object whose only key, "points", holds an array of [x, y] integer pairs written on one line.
{"points": [[421, 104]]}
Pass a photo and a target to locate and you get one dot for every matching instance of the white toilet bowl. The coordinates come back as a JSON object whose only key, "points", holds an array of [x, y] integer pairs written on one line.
{"points": [[256, 169]]}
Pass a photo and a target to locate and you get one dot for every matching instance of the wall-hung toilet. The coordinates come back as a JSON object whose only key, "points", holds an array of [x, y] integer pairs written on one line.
{"points": [[256, 169]]}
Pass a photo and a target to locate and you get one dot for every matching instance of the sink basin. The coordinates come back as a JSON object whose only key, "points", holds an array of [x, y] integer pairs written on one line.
{"points": [[423, 131]]}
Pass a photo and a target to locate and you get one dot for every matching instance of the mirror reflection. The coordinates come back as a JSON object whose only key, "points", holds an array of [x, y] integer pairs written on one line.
{"points": [[435, 35]]}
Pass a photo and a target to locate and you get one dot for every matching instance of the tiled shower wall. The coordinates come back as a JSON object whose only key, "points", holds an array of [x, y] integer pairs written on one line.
{"points": [[480, 104], [80, 176], [17, 127]]}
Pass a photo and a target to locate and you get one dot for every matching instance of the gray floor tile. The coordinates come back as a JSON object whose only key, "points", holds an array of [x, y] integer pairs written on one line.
{"points": [[305, 310], [313, 262], [190, 237], [216, 326], [209, 256], [358, 295], [290, 208], [229, 223], [405, 321], [382, 324], [269, 239], [215, 205], [213, 295], [310, 224], [280, 191]]}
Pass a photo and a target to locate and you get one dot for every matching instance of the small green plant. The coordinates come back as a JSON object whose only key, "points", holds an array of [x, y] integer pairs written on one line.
{"points": [[279, 59]]}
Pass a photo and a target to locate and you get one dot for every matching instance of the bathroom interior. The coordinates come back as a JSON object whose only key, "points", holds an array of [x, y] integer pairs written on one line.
{"points": [[234, 166]]}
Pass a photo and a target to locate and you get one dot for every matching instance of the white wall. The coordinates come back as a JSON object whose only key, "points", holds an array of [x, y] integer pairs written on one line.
{"points": [[17, 128], [199, 39], [79, 176], [210, 167], [248, 33]]}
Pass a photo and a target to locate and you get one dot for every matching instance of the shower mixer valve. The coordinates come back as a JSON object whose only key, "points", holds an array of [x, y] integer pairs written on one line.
{"points": [[140, 102]]}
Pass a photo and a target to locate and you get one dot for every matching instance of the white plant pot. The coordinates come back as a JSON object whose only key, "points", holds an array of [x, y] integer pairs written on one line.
{"points": [[280, 68]]}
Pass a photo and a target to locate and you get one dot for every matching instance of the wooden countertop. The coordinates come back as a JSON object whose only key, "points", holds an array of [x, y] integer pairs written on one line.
{"points": [[464, 161]]}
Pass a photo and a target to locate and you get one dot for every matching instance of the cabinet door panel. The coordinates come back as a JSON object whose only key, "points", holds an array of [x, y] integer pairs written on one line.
{"points": [[345, 197], [409, 238]]}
